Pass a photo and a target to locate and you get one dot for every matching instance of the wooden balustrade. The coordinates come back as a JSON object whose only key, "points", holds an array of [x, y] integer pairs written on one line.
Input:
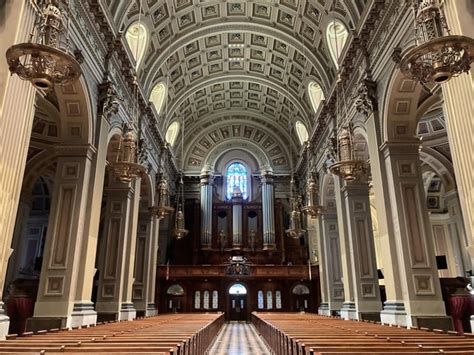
{"points": [[177, 334], [305, 333]]}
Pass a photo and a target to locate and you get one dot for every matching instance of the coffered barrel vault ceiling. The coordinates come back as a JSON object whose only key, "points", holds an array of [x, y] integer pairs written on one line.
{"points": [[236, 69]]}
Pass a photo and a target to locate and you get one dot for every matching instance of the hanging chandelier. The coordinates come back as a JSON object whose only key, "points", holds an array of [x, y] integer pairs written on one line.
{"points": [[437, 56], [43, 62], [311, 208], [180, 230], [347, 165], [127, 167], [162, 207]]}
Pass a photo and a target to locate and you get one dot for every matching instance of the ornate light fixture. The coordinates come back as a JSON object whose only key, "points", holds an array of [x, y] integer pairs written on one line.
{"points": [[127, 167], [295, 231], [179, 226], [162, 207], [347, 165], [311, 208], [437, 56], [43, 62]]}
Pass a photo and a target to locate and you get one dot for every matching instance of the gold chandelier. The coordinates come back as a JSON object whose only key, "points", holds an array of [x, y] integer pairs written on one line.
{"points": [[311, 208], [180, 230], [45, 63], [127, 167], [162, 207], [437, 56], [347, 166]]}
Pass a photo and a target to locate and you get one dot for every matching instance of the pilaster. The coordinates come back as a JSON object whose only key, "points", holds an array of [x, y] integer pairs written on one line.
{"points": [[418, 274], [268, 210], [64, 241], [206, 209]]}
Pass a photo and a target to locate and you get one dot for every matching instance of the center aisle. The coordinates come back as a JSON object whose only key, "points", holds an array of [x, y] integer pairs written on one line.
{"points": [[239, 338]]}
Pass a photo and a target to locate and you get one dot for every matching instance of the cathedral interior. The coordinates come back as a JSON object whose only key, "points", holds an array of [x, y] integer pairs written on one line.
{"points": [[167, 157]]}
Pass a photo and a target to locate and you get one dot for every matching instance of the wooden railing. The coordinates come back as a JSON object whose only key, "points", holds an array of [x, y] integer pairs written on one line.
{"points": [[183, 334], [303, 333]]}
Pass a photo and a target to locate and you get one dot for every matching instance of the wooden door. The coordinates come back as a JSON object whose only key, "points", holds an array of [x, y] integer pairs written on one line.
{"points": [[238, 307]]}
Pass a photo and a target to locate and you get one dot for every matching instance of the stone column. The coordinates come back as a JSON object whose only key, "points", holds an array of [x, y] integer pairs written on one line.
{"points": [[360, 248], [457, 236], [330, 264], [417, 272], [16, 118], [117, 252], [237, 220], [64, 241], [145, 265], [268, 210], [458, 96], [206, 209]]}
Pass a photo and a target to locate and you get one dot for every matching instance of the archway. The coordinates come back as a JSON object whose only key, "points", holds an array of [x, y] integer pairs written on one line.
{"points": [[238, 305]]}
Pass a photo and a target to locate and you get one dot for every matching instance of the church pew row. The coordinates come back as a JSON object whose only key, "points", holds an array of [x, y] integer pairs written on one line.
{"points": [[174, 334], [311, 334]]}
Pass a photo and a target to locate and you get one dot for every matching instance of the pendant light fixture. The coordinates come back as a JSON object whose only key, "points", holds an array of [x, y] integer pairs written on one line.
{"points": [[127, 166], [43, 60], [162, 208], [437, 55], [311, 208], [180, 230], [295, 231], [347, 165]]}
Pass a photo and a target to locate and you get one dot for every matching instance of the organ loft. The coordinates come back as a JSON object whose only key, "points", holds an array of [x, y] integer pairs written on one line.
{"points": [[241, 177]]}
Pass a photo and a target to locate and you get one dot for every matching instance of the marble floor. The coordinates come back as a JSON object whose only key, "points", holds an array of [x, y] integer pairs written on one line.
{"points": [[239, 338]]}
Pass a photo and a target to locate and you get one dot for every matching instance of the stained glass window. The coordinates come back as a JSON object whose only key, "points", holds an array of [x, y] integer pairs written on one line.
{"points": [[215, 299], [237, 179], [269, 300], [278, 299], [205, 303], [137, 37], [197, 299], [336, 35], [260, 299]]}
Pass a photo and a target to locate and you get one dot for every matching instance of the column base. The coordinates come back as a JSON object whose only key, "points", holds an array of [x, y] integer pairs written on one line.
{"points": [[4, 324], [349, 311], [127, 312], [35, 324], [324, 310], [472, 324], [206, 247], [394, 313], [151, 310], [270, 246], [83, 314]]}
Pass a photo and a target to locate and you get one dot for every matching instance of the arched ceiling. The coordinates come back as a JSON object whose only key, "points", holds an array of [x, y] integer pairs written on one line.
{"points": [[234, 63]]}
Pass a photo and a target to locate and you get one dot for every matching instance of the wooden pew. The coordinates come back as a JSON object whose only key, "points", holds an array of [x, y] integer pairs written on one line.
{"points": [[177, 334], [301, 334]]}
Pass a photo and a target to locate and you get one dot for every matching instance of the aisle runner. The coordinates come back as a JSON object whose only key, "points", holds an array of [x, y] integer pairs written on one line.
{"points": [[239, 338]]}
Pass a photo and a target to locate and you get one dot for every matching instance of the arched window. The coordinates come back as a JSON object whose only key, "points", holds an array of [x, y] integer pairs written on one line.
{"points": [[336, 36], [137, 37], [301, 131], [215, 299], [260, 299], [300, 290], [269, 300], [197, 300], [205, 300], [158, 96], [172, 133], [278, 299], [175, 290], [237, 180], [237, 289], [316, 95]]}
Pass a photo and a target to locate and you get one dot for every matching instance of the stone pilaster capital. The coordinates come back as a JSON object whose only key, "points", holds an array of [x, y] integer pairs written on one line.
{"points": [[403, 147], [206, 179], [267, 177]]}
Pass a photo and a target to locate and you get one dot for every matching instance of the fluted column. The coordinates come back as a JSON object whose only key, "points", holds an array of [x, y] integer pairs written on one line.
{"points": [[458, 96], [330, 264], [16, 118], [64, 241], [268, 210], [206, 210], [237, 221]]}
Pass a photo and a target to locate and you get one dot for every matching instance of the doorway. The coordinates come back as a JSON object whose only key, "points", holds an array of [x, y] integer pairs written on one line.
{"points": [[238, 302]]}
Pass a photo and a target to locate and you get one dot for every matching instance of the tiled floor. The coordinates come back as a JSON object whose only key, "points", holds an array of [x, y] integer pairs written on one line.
{"points": [[239, 338]]}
